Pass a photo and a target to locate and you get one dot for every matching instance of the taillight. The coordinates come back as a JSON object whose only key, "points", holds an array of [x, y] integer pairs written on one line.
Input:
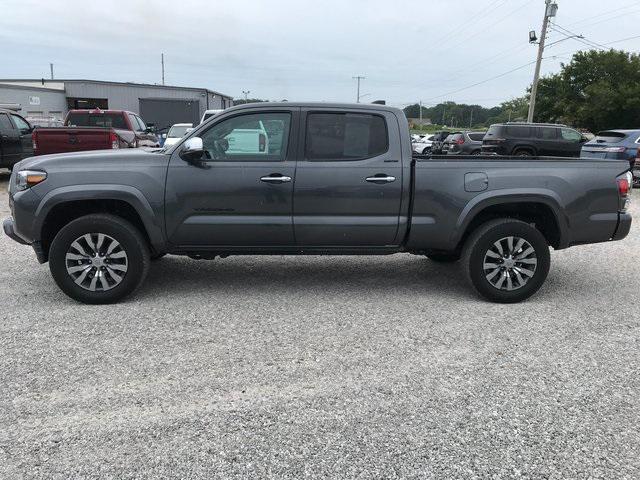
{"points": [[624, 186], [262, 142], [113, 138], [34, 141], [460, 141], [615, 149], [625, 183]]}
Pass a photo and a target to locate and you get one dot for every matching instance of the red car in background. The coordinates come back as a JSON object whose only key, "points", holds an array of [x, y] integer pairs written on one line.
{"points": [[94, 130]]}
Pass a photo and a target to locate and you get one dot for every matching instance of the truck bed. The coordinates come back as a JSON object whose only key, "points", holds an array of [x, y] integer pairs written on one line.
{"points": [[75, 139], [451, 190]]}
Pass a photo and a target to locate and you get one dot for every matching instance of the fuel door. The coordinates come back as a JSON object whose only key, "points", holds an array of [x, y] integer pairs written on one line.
{"points": [[476, 182]]}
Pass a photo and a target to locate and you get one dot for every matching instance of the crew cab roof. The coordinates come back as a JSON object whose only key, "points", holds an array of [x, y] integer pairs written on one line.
{"points": [[323, 105]]}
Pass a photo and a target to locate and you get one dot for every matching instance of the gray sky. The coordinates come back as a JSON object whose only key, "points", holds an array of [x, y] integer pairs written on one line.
{"points": [[428, 50]]}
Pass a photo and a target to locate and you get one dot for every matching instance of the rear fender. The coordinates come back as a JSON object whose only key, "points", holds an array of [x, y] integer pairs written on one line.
{"points": [[502, 197]]}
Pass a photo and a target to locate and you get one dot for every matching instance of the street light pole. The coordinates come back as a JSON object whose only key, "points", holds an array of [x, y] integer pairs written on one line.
{"points": [[549, 11], [246, 92]]}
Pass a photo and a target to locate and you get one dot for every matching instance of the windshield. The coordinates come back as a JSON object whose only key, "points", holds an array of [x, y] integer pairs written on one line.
{"points": [[178, 131]]}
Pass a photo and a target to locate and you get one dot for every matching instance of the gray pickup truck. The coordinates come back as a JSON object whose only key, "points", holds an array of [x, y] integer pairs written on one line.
{"points": [[318, 179]]}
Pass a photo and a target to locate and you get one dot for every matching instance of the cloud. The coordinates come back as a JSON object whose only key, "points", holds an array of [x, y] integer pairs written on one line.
{"points": [[297, 49]]}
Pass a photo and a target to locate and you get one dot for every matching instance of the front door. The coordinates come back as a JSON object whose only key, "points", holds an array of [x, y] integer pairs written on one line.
{"points": [[570, 142], [242, 192], [349, 180]]}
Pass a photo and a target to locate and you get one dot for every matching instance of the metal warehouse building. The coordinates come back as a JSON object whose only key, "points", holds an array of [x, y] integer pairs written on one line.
{"points": [[158, 104]]}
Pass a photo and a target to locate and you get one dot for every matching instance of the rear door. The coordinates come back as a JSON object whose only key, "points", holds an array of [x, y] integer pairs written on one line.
{"points": [[547, 140], [349, 179], [235, 199]]}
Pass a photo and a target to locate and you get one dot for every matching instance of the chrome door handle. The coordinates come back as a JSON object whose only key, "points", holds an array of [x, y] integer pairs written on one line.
{"points": [[381, 179], [276, 179]]}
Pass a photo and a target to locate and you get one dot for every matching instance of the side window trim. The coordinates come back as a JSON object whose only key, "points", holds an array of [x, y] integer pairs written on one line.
{"points": [[305, 129]]}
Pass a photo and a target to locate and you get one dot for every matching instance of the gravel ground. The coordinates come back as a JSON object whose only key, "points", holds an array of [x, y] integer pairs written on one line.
{"points": [[345, 367]]}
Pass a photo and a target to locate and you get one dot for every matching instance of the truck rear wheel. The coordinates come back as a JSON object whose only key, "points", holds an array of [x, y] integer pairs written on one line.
{"points": [[506, 260], [99, 259]]}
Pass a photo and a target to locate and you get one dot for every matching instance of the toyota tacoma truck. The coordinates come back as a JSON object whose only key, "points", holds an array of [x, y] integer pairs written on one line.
{"points": [[334, 180], [94, 130]]}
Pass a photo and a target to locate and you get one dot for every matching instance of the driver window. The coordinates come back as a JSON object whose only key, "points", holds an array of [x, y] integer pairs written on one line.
{"points": [[253, 137], [571, 135], [20, 123]]}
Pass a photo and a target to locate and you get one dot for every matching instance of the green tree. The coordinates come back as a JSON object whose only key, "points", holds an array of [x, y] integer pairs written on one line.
{"points": [[597, 90]]}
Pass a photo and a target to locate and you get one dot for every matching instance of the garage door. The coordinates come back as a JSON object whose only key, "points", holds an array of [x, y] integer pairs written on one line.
{"points": [[163, 112]]}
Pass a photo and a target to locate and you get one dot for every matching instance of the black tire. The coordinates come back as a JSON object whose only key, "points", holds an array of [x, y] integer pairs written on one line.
{"points": [[476, 152], [157, 256], [443, 257], [130, 241], [426, 151], [523, 152], [484, 239]]}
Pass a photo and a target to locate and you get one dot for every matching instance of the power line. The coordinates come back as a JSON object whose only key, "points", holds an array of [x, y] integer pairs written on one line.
{"points": [[591, 17], [466, 39], [487, 11], [483, 81], [555, 27]]}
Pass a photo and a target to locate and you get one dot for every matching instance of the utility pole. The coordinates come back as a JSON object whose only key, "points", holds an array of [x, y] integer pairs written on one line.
{"points": [[162, 62], [246, 93], [550, 10], [51, 68], [358, 78]]}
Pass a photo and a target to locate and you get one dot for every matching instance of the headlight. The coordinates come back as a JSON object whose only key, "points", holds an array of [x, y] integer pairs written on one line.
{"points": [[28, 178]]}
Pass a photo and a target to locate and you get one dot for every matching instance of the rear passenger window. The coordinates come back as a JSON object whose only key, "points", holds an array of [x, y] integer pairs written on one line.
{"points": [[547, 133], [519, 132], [345, 136], [476, 137]]}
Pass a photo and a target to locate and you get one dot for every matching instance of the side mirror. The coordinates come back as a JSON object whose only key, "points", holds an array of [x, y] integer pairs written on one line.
{"points": [[192, 150], [164, 135]]}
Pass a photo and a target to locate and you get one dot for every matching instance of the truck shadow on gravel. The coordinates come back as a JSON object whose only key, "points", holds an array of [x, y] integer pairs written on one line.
{"points": [[307, 276]]}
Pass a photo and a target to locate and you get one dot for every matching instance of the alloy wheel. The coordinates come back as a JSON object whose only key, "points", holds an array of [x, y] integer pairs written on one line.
{"points": [[96, 262], [510, 263]]}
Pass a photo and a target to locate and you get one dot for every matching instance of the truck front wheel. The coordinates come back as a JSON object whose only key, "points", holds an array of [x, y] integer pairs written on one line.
{"points": [[99, 259], [506, 260]]}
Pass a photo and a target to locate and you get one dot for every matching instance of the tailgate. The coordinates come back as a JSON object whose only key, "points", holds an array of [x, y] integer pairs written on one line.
{"points": [[74, 139]]}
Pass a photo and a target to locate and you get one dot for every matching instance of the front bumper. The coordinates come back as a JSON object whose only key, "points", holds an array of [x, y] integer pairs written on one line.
{"points": [[8, 226]]}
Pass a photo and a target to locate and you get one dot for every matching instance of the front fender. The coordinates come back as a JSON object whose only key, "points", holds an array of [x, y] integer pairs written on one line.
{"points": [[521, 195], [151, 218]]}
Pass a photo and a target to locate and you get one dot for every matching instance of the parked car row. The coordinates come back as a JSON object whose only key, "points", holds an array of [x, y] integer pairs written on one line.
{"points": [[535, 139]]}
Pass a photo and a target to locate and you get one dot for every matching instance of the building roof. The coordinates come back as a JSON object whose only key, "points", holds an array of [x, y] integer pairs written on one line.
{"points": [[44, 81]]}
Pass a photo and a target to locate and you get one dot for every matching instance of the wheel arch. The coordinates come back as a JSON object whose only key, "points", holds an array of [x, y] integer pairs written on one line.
{"points": [[530, 148], [60, 206], [541, 208]]}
